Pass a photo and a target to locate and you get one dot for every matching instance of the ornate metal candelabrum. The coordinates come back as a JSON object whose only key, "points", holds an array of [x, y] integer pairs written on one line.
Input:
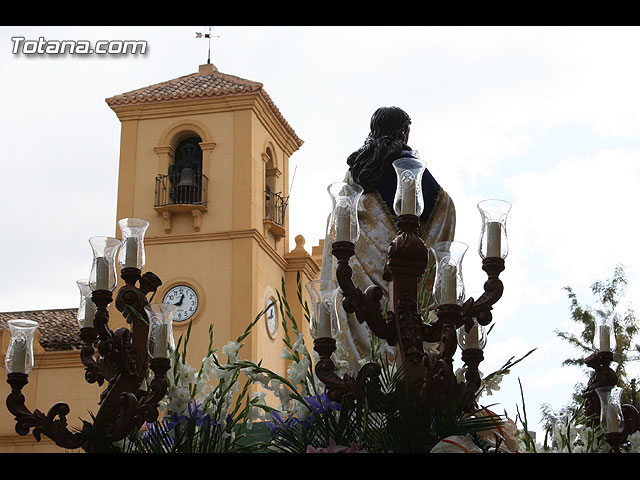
{"points": [[459, 321], [602, 395], [121, 358]]}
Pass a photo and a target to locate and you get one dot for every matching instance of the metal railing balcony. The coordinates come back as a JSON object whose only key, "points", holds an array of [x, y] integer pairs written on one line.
{"points": [[275, 206], [181, 189]]}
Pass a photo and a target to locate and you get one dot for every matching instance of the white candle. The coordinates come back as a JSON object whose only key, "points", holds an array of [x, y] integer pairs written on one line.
{"points": [[408, 202], [163, 339], [493, 239], [343, 224], [131, 253], [89, 312], [102, 274], [323, 327], [160, 333], [448, 292], [19, 357], [472, 338], [612, 419], [605, 332]]}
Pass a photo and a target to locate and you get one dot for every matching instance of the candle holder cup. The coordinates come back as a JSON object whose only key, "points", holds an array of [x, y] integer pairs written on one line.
{"points": [[449, 284], [324, 318], [87, 309], [160, 341], [408, 199], [103, 269], [132, 254], [493, 238], [343, 222], [19, 358]]}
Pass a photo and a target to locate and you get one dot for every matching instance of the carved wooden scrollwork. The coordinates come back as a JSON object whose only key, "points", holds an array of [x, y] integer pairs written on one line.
{"points": [[347, 389], [480, 309], [366, 306], [53, 424], [135, 409], [118, 357]]}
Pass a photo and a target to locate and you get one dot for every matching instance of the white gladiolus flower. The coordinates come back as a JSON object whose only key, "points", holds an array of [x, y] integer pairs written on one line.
{"points": [[208, 365], [231, 350], [286, 354], [282, 392], [256, 377], [299, 345], [186, 373], [298, 370], [491, 385], [255, 413], [460, 374]]}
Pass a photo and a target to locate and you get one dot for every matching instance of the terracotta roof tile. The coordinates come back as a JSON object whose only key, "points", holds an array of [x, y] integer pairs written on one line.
{"points": [[208, 82], [59, 329]]}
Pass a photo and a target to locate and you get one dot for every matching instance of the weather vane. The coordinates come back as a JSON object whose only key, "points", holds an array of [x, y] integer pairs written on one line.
{"points": [[207, 35]]}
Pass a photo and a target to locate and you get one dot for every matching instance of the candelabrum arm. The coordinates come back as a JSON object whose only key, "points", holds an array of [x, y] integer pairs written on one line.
{"points": [[52, 425], [137, 409], [480, 309], [125, 350], [94, 371], [348, 388], [366, 306]]}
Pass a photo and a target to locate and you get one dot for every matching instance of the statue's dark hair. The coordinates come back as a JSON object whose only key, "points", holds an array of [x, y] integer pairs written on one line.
{"points": [[388, 132]]}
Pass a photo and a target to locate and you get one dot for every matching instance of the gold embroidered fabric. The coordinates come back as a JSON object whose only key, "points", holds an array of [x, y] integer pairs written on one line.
{"points": [[377, 230]]}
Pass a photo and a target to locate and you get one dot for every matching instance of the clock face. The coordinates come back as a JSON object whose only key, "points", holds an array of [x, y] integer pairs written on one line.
{"points": [[185, 300], [272, 319]]}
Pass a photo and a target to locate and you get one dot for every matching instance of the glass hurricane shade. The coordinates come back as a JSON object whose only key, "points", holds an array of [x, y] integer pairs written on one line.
{"points": [[160, 342], [87, 309], [408, 198], [343, 222], [132, 252], [103, 270], [493, 238], [604, 338], [19, 358], [474, 338], [611, 417], [324, 316], [449, 285]]}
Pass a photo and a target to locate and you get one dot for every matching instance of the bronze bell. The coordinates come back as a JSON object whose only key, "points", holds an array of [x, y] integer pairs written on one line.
{"points": [[187, 178]]}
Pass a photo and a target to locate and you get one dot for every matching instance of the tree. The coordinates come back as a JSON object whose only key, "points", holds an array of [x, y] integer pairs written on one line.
{"points": [[610, 293]]}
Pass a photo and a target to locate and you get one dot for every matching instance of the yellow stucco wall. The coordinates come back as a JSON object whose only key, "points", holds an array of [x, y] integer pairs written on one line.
{"points": [[226, 253]]}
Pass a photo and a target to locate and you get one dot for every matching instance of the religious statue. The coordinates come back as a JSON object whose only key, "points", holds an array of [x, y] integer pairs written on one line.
{"points": [[371, 167]]}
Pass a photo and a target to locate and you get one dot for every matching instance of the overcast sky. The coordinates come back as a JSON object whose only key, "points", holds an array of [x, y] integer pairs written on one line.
{"points": [[545, 118]]}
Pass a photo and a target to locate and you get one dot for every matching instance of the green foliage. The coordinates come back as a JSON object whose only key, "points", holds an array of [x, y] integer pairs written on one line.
{"points": [[610, 292], [566, 429]]}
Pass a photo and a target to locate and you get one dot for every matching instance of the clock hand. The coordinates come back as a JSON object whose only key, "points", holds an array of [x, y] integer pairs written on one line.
{"points": [[180, 302]]}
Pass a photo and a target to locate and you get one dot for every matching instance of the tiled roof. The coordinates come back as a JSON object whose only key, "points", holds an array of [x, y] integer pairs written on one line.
{"points": [[59, 329], [207, 82]]}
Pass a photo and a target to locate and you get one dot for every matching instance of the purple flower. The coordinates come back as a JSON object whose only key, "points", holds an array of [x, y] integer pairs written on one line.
{"points": [[159, 431], [175, 420], [195, 414], [322, 403], [279, 425]]}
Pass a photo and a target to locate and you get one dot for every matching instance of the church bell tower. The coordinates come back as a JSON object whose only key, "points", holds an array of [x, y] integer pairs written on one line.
{"points": [[205, 159]]}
